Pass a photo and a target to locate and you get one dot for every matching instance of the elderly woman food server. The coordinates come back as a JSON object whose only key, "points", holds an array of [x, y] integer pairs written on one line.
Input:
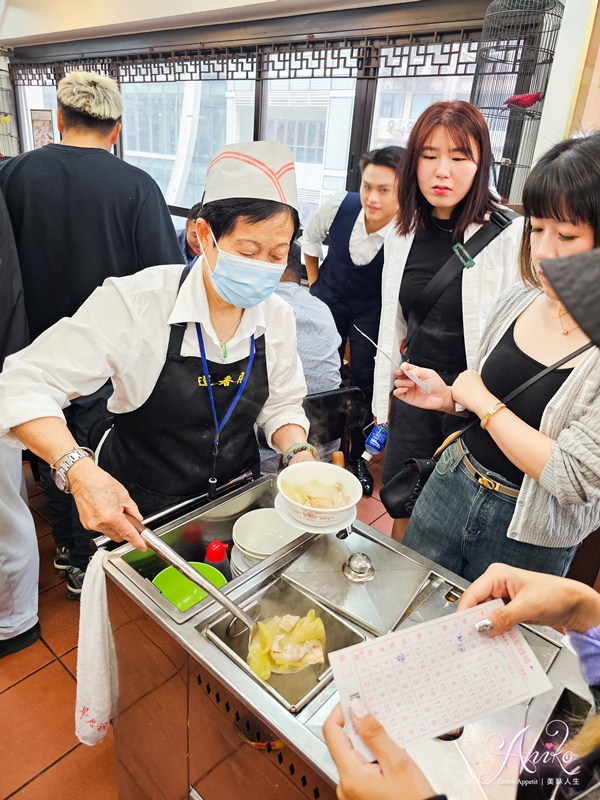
{"points": [[196, 356]]}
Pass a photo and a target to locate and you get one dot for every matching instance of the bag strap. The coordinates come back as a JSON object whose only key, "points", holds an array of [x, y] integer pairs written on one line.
{"points": [[515, 392], [461, 258], [545, 371]]}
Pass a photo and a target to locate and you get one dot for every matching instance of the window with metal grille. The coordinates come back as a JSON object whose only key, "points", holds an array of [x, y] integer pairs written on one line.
{"points": [[181, 107]]}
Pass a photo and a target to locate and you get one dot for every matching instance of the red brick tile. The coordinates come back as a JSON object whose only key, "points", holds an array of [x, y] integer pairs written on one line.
{"points": [[32, 487], [42, 526], [70, 661], [376, 470], [48, 578], [384, 524], [40, 504], [37, 725], [19, 665], [59, 619], [86, 772], [369, 509]]}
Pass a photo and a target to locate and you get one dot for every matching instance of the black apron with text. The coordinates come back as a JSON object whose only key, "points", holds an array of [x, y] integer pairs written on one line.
{"points": [[163, 451]]}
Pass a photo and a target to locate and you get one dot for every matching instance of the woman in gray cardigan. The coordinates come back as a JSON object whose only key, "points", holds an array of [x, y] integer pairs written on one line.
{"points": [[523, 486]]}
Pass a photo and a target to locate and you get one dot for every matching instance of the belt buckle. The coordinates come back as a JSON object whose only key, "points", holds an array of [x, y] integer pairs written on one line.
{"points": [[488, 483]]}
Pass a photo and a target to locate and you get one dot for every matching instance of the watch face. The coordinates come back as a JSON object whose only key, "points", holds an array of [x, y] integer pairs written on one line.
{"points": [[59, 481]]}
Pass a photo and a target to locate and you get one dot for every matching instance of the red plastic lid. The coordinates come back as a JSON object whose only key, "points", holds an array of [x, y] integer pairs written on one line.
{"points": [[216, 551]]}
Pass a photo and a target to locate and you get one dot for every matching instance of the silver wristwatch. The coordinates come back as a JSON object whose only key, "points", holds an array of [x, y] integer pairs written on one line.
{"points": [[66, 462]]}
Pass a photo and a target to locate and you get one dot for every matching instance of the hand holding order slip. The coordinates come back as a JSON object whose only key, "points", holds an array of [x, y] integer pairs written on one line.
{"points": [[433, 677], [421, 384]]}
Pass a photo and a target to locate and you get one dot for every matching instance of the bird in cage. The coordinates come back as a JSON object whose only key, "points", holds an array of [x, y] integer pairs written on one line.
{"points": [[522, 100]]}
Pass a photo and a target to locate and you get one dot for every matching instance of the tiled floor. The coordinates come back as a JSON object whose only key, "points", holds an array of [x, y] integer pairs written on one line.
{"points": [[40, 756]]}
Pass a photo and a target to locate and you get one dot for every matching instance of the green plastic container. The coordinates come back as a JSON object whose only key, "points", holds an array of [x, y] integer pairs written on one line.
{"points": [[180, 591]]}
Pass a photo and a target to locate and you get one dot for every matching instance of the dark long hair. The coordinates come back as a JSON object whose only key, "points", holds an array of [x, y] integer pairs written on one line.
{"points": [[564, 186], [466, 127]]}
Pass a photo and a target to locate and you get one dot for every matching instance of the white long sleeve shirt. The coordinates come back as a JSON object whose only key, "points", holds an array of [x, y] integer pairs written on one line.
{"points": [[363, 246], [122, 331]]}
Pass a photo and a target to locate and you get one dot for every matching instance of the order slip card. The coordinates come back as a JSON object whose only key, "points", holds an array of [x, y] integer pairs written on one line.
{"points": [[431, 678]]}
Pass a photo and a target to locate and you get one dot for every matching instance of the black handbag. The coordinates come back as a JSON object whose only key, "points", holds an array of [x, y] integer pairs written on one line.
{"points": [[400, 494]]}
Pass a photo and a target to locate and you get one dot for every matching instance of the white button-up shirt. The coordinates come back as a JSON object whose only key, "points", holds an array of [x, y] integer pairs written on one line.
{"points": [[122, 331], [363, 246]]}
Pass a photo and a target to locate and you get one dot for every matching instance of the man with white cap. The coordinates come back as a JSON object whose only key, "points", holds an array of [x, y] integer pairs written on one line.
{"points": [[197, 356]]}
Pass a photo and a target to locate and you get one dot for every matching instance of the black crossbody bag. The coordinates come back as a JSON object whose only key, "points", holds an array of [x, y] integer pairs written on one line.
{"points": [[461, 258], [400, 494]]}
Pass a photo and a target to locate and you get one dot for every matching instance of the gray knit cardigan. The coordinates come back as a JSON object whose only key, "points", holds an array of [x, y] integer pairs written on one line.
{"points": [[564, 507]]}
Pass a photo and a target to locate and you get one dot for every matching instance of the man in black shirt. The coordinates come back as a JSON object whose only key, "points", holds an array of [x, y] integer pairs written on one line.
{"points": [[80, 215]]}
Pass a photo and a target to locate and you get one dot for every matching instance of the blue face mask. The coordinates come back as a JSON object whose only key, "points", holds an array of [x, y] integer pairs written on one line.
{"points": [[244, 282]]}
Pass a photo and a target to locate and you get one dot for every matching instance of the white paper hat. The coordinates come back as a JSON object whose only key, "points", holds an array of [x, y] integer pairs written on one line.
{"points": [[260, 170]]}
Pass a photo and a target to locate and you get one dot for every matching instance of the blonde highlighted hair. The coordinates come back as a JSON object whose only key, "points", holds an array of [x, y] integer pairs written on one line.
{"points": [[91, 95], [588, 737]]}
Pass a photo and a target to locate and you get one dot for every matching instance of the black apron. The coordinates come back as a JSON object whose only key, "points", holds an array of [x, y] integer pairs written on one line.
{"points": [[341, 283], [163, 452]]}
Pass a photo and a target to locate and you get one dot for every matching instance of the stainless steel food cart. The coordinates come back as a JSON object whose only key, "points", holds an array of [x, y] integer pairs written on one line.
{"points": [[194, 722]]}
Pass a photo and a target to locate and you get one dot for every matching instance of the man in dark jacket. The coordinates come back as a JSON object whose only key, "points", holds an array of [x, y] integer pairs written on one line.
{"points": [[19, 560], [349, 279], [80, 215]]}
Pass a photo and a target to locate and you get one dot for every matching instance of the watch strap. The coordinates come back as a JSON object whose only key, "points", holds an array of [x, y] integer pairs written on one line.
{"points": [[59, 474]]}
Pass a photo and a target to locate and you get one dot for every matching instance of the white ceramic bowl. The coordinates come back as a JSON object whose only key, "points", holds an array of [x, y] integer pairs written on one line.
{"points": [[248, 559], [303, 473], [259, 533], [237, 562]]}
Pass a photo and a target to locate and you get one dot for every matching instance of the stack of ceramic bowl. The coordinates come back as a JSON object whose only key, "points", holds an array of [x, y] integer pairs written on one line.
{"points": [[257, 535], [236, 562]]}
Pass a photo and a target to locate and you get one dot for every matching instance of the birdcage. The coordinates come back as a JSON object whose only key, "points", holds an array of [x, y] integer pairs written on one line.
{"points": [[513, 66], [9, 138]]}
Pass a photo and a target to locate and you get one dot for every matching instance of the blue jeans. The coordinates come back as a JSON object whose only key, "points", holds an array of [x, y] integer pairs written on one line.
{"points": [[462, 526]]}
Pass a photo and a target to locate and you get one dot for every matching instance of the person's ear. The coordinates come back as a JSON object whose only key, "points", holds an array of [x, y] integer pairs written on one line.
{"points": [[204, 235], [60, 121], [114, 136]]}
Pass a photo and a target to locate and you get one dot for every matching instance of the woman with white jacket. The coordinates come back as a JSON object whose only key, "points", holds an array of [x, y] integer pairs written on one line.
{"points": [[444, 198], [522, 483]]}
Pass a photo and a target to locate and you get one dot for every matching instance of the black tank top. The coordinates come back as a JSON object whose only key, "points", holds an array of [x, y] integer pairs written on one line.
{"points": [[439, 343], [506, 368]]}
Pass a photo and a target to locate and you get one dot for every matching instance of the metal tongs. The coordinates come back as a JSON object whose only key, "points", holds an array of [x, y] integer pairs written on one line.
{"points": [[173, 558]]}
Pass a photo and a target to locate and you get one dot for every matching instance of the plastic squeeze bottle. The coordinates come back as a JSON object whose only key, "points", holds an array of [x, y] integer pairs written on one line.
{"points": [[216, 556]]}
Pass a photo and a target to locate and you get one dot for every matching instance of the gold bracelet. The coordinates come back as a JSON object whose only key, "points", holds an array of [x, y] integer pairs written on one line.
{"points": [[490, 413]]}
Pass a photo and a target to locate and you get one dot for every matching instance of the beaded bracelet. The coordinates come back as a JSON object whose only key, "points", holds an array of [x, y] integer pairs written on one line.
{"points": [[298, 448]]}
